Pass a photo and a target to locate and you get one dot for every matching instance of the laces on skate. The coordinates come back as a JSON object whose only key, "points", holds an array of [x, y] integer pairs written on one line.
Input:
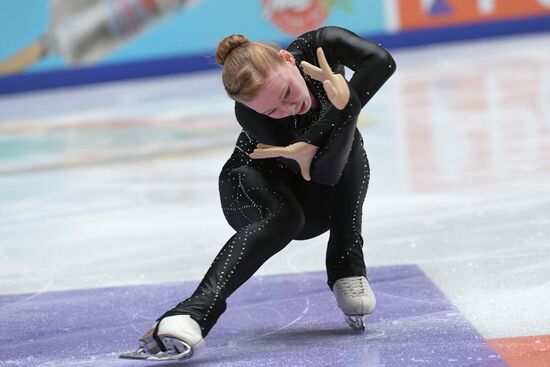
{"points": [[355, 299]]}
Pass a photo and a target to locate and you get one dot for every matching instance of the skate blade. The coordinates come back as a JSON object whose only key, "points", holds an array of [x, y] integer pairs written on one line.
{"points": [[176, 350], [357, 323]]}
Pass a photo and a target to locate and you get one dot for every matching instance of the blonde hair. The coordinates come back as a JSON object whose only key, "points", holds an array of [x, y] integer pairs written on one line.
{"points": [[245, 65]]}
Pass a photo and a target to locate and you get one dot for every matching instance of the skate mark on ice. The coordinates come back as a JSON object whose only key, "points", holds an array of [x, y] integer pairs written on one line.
{"points": [[409, 299], [295, 253], [43, 289], [234, 342]]}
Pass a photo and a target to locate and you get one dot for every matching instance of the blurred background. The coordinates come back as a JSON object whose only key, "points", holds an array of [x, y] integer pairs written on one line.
{"points": [[114, 126], [66, 42]]}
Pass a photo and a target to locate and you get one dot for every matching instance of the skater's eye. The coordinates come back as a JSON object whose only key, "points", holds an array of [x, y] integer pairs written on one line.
{"points": [[288, 91], [270, 112], [285, 96]]}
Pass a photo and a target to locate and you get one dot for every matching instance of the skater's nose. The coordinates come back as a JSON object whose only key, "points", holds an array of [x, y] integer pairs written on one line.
{"points": [[290, 108]]}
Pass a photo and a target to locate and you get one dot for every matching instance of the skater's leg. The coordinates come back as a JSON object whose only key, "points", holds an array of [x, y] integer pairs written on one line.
{"points": [[344, 202], [267, 216], [346, 270], [316, 219]]}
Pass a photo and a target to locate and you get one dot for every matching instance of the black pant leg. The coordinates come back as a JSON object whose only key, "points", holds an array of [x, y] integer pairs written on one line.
{"points": [[267, 216], [342, 167], [344, 203]]}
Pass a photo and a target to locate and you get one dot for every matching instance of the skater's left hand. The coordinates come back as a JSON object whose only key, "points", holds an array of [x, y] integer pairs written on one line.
{"points": [[335, 84], [301, 152]]}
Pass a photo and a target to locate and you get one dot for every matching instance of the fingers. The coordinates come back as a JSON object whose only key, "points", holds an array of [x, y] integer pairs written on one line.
{"points": [[261, 155], [294, 151], [265, 146], [323, 63], [313, 71], [321, 73], [305, 168], [268, 153]]}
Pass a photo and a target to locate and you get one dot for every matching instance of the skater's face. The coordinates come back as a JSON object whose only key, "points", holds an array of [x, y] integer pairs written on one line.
{"points": [[284, 92]]}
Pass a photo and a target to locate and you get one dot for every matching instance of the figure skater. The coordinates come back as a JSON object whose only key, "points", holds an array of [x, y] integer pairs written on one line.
{"points": [[298, 169]]}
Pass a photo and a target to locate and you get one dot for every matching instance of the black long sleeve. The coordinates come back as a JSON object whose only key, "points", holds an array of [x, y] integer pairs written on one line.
{"points": [[371, 63], [264, 129], [372, 66]]}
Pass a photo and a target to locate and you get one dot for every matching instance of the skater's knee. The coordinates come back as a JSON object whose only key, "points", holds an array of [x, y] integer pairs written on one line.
{"points": [[288, 219], [295, 219]]}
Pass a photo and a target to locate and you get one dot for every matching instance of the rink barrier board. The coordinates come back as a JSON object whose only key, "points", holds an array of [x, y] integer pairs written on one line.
{"points": [[194, 63]]}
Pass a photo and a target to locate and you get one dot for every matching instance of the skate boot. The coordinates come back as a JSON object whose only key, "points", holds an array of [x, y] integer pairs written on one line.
{"points": [[173, 338], [356, 299]]}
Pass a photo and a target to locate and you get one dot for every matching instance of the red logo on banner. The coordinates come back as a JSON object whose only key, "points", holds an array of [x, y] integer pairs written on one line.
{"points": [[295, 16]]}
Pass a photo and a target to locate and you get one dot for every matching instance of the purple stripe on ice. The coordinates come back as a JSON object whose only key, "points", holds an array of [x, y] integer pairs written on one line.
{"points": [[281, 320]]}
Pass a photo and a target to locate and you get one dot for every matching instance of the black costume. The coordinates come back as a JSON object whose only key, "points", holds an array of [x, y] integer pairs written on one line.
{"points": [[268, 202]]}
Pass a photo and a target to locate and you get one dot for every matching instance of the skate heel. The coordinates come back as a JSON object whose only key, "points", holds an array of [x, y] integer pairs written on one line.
{"points": [[172, 349], [175, 349], [175, 338], [179, 347]]}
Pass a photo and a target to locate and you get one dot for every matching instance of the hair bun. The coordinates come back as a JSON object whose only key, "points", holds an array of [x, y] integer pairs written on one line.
{"points": [[227, 45]]}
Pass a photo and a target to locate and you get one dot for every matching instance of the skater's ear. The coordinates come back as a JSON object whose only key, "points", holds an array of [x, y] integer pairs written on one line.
{"points": [[287, 57]]}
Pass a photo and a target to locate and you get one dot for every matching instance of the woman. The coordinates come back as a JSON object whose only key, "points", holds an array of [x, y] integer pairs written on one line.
{"points": [[298, 170]]}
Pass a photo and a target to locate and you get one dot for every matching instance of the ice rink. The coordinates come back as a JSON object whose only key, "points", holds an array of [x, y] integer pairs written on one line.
{"points": [[110, 215]]}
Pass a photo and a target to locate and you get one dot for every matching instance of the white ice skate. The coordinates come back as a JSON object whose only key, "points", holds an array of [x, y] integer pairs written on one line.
{"points": [[174, 338], [356, 299]]}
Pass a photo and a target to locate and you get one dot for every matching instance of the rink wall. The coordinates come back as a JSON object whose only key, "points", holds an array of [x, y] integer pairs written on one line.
{"points": [[71, 42]]}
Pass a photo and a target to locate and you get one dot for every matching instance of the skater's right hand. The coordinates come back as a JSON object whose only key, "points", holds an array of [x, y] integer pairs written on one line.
{"points": [[301, 152], [335, 85]]}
